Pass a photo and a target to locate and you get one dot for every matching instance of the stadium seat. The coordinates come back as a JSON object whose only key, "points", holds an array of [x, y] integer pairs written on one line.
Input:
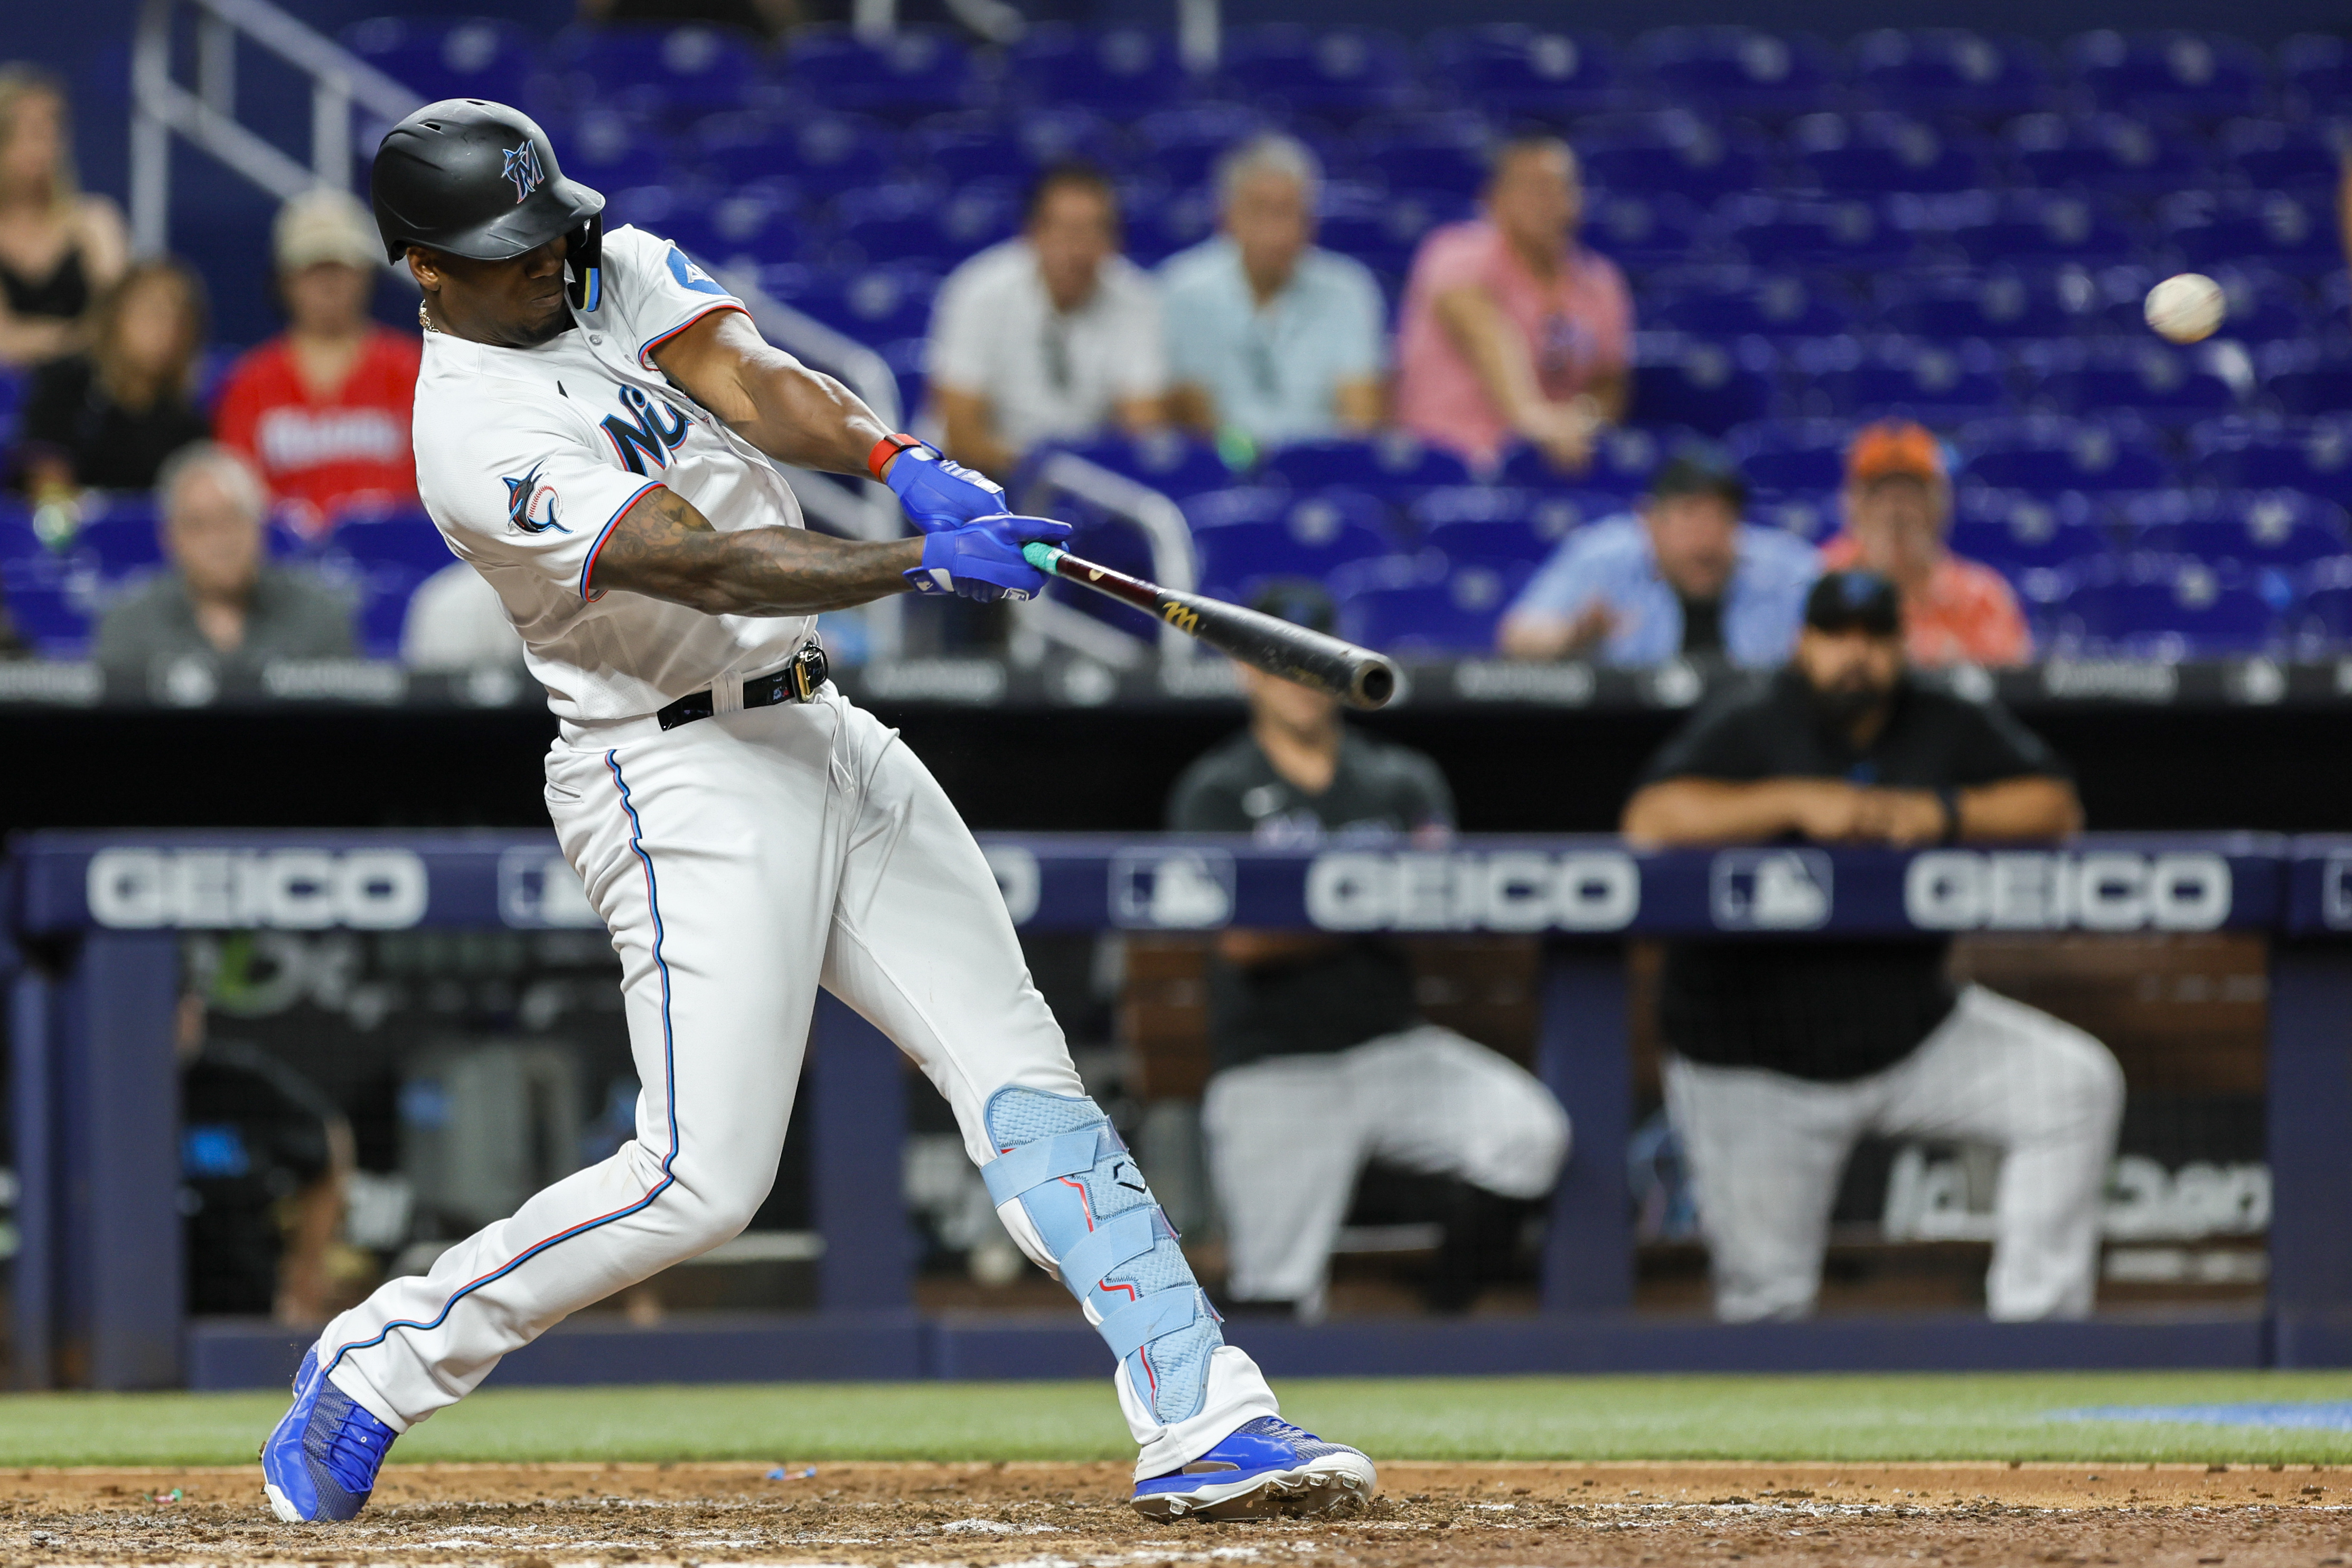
{"points": [[1422, 606], [1774, 304], [1246, 536], [406, 539], [1874, 154], [2255, 528], [675, 73], [2177, 611], [612, 151], [1674, 152], [2200, 74], [895, 223], [2289, 233], [438, 58], [120, 540], [1390, 464], [1180, 147], [1643, 231], [2318, 391], [911, 73], [1120, 73], [1738, 69], [1337, 74], [1623, 460], [1949, 71], [2278, 155], [1156, 229], [1111, 542], [760, 225], [1852, 235], [1999, 303], [1792, 454], [2015, 531], [2321, 617], [2036, 227], [17, 539], [2105, 153], [2043, 455], [1696, 383], [1811, 515], [2316, 72], [821, 153], [49, 617], [960, 149], [2265, 307], [874, 305], [1444, 153], [1505, 527], [1936, 383], [2311, 455], [1173, 463], [2153, 379], [1518, 69]]}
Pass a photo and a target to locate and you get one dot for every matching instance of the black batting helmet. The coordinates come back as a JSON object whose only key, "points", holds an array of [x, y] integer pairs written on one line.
{"points": [[479, 180]]}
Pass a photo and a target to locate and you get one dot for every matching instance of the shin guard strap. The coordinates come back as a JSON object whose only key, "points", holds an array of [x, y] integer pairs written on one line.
{"points": [[1115, 1240], [1137, 1325], [1034, 1164]]}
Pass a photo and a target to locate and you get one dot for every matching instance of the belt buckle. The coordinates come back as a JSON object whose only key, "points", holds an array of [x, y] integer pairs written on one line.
{"points": [[807, 673]]}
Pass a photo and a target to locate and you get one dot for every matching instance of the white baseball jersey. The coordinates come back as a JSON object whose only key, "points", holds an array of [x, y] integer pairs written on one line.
{"points": [[526, 458]]}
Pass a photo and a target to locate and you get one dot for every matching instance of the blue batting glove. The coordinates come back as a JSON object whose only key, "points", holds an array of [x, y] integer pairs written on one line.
{"points": [[983, 559], [939, 493]]}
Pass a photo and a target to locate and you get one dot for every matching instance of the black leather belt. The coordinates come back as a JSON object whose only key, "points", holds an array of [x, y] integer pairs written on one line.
{"points": [[797, 681]]}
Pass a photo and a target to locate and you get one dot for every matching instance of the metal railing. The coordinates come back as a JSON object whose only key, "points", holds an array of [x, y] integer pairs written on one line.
{"points": [[1200, 25], [1155, 515], [206, 116]]}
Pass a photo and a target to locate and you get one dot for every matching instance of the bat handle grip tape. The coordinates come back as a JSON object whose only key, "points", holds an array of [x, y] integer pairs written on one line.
{"points": [[1042, 556]]}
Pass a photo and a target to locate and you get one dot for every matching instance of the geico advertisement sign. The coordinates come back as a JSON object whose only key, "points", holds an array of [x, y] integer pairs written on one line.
{"points": [[1586, 890], [2099, 889], [289, 890]]}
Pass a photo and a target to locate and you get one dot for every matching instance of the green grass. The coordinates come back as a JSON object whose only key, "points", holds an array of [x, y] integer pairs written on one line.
{"points": [[1979, 1416]]}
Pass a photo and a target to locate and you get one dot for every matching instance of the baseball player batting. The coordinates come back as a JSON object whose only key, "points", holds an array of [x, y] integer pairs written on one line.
{"points": [[594, 426]]}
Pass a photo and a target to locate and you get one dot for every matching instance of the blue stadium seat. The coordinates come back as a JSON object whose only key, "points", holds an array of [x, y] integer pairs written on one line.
{"points": [[1381, 230], [1444, 153], [1674, 152], [2313, 456], [2321, 616], [1248, 535], [1156, 229], [893, 224], [2043, 455], [821, 153], [1949, 70], [2265, 307], [612, 151], [977, 146], [914, 72], [406, 539], [2030, 227], [2251, 528], [2278, 155], [678, 73], [1106, 541], [2148, 377], [2176, 610], [1171, 463], [1874, 154], [2316, 72], [1999, 303], [2319, 390], [1335, 74], [1516, 69], [1181, 147], [1390, 464], [1775, 304], [2110, 153], [1422, 606], [51, 618], [1935, 382], [2016, 531], [1811, 515], [1623, 460], [874, 305], [2294, 234], [2201, 74], [122, 539], [1697, 384], [1852, 235], [1505, 527], [17, 539], [760, 225], [1806, 455], [1643, 231], [1120, 73], [473, 57], [1739, 68]]}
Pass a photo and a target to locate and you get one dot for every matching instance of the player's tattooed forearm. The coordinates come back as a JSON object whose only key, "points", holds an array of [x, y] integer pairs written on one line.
{"points": [[664, 548]]}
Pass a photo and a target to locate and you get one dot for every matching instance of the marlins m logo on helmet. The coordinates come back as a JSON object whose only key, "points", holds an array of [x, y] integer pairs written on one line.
{"points": [[522, 168]]}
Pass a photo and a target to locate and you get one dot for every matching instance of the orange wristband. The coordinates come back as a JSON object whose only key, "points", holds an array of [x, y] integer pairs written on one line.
{"points": [[887, 448]]}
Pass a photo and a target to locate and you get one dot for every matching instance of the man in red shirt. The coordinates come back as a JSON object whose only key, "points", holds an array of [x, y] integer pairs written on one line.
{"points": [[322, 411], [1511, 329], [1898, 507]]}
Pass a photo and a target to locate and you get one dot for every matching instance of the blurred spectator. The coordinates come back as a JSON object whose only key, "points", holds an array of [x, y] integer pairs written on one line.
{"points": [[1053, 336], [323, 410], [1511, 327], [107, 419], [1683, 576], [1899, 509], [1322, 1063], [219, 600], [1783, 1054], [457, 623], [1269, 337], [60, 250], [265, 1159]]}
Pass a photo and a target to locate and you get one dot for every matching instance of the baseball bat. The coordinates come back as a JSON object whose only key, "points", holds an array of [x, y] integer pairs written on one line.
{"points": [[1357, 677]]}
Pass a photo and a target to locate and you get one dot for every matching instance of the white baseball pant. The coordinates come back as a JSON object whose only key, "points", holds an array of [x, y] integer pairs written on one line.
{"points": [[1766, 1149], [1287, 1136], [741, 861]]}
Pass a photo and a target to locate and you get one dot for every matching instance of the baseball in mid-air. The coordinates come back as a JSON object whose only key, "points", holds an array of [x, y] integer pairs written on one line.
{"points": [[2186, 306]]}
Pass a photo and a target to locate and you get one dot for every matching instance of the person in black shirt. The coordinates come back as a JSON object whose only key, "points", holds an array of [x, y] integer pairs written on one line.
{"points": [[107, 419], [1322, 1061], [1783, 1054]]}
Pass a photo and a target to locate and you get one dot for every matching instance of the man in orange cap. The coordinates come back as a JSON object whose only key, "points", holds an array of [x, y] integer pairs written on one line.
{"points": [[1898, 507]]}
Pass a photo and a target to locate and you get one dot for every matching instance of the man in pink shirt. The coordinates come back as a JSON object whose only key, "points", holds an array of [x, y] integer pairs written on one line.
{"points": [[1512, 330]]}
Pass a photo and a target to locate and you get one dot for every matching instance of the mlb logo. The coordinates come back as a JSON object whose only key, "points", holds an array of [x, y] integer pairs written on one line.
{"points": [[1171, 890], [1769, 890]]}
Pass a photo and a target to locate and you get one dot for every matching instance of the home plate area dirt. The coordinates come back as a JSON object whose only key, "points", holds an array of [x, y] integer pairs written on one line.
{"points": [[1064, 1516]]}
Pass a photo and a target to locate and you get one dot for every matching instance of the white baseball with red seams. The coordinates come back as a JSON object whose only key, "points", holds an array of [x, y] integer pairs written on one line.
{"points": [[740, 861]]}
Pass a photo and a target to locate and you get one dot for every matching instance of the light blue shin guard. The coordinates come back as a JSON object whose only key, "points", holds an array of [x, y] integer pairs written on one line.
{"points": [[1116, 1250]]}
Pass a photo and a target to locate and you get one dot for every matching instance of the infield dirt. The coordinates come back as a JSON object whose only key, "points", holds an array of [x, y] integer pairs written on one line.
{"points": [[1504, 1515]]}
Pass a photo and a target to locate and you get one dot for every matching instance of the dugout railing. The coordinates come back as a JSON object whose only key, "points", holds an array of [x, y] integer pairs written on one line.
{"points": [[96, 921]]}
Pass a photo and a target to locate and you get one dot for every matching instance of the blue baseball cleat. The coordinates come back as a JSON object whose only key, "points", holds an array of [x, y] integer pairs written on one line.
{"points": [[320, 1462], [1262, 1468]]}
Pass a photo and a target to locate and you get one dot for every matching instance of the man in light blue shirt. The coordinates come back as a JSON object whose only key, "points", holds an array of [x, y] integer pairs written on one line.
{"points": [[1682, 577], [1271, 339]]}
